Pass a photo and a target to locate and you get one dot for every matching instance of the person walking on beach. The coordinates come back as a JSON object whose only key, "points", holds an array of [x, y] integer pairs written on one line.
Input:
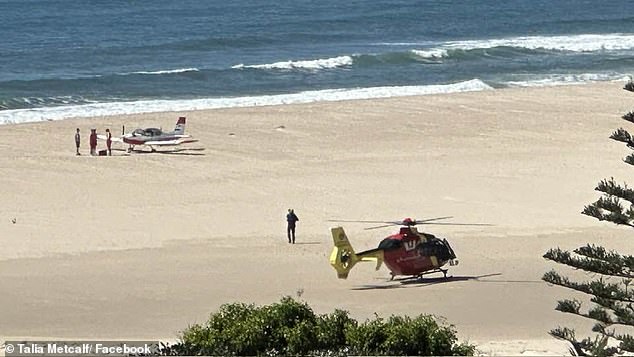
{"points": [[291, 219], [77, 140], [93, 142], [109, 142]]}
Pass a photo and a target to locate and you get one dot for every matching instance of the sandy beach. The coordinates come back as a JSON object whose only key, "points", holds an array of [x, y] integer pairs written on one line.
{"points": [[142, 245]]}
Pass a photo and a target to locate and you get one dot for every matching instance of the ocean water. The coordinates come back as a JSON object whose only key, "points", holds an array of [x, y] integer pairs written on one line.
{"points": [[66, 58]]}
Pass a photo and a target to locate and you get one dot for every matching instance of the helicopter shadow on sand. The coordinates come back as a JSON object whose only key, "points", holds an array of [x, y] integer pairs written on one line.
{"points": [[427, 281]]}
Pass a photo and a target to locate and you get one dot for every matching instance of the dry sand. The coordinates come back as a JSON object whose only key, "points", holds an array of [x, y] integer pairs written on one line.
{"points": [[142, 245]]}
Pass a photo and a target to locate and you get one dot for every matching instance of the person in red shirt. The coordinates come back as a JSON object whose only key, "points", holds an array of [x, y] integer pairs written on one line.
{"points": [[93, 142], [109, 142]]}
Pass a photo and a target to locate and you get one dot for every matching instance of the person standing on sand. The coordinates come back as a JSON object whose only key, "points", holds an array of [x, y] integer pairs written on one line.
{"points": [[93, 142], [77, 140], [291, 219], [109, 142]]}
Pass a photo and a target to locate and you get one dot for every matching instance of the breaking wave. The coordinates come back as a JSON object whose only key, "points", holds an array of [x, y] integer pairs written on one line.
{"points": [[569, 79], [152, 106], [570, 43], [474, 49], [169, 71], [327, 63], [31, 102]]}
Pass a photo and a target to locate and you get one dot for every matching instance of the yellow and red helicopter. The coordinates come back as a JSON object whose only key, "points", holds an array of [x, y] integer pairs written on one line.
{"points": [[408, 252]]}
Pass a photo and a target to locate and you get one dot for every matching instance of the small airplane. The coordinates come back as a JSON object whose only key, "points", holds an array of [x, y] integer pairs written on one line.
{"points": [[408, 252], [155, 137]]}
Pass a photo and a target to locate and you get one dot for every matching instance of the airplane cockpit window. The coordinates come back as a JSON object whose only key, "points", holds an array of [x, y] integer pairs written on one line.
{"points": [[153, 132]]}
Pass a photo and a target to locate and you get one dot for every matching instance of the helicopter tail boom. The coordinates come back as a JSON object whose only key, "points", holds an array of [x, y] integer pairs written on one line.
{"points": [[343, 256]]}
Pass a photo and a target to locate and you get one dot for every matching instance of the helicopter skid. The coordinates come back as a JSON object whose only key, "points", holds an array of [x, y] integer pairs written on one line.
{"points": [[421, 275], [439, 270]]}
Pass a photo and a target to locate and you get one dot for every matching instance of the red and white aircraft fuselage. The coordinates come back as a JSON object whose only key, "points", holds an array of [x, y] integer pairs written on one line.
{"points": [[155, 137]]}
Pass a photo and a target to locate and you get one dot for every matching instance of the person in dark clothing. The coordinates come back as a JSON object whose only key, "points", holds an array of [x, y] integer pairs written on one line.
{"points": [[93, 142], [77, 140], [291, 219]]}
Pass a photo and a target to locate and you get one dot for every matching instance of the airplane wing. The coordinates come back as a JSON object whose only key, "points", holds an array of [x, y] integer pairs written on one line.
{"points": [[114, 139], [169, 142]]}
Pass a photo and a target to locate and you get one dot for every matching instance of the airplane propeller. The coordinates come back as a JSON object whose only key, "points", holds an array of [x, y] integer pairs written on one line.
{"points": [[411, 222]]}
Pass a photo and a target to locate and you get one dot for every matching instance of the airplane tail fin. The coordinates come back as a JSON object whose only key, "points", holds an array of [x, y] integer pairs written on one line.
{"points": [[343, 256], [180, 126]]}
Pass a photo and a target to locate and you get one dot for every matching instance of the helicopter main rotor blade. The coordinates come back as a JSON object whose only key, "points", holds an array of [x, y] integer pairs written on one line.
{"points": [[383, 226], [459, 224], [408, 222], [431, 219]]}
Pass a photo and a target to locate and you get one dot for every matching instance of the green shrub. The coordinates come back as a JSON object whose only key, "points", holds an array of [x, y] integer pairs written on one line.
{"points": [[399, 336], [331, 331], [292, 328]]}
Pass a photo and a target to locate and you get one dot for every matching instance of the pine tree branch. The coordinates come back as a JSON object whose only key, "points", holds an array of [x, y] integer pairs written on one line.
{"points": [[596, 287], [594, 211], [610, 203], [624, 316], [597, 313], [629, 159], [607, 303], [629, 117], [599, 347], [600, 314], [612, 188], [566, 334], [622, 135], [627, 342], [569, 306], [614, 208], [592, 264], [617, 264]]}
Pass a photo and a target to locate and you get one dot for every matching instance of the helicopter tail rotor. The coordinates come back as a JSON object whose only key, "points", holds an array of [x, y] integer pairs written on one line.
{"points": [[343, 256]]}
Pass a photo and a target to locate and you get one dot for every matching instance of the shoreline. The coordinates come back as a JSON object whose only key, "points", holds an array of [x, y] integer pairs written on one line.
{"points": [[149, 243], [109, 109]]}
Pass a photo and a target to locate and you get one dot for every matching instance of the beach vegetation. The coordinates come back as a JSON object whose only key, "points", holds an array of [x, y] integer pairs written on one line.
{"points": [[611, 273], [290, 327]]}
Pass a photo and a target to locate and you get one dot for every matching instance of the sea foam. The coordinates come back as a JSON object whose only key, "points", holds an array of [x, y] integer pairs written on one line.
{"points": [[571, 43], [326, 63], [569, 79], [153, 106], [167, 71]]}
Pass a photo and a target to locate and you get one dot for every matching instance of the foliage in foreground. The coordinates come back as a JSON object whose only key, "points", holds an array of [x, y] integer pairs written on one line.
{"points": [[291, 327], [613, 309]]}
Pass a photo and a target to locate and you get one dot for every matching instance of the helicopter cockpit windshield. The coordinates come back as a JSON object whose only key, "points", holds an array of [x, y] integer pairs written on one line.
{"points": [[389, 244]]}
